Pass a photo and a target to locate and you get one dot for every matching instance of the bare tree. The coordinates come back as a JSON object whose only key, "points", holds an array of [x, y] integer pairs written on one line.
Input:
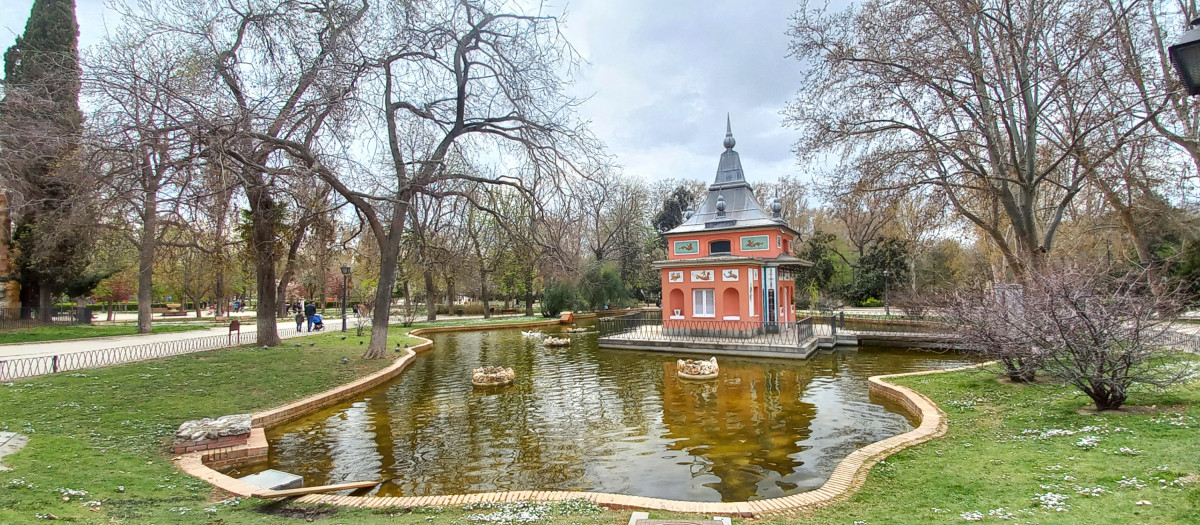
{"points": [[965, 98], [1144, 30], [150, 151], [278, 73], [454, 78]]}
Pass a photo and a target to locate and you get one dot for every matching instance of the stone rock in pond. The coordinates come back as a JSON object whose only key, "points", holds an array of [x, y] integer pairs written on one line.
{"points": [[697, 369], [492, 375], [208, 428]]}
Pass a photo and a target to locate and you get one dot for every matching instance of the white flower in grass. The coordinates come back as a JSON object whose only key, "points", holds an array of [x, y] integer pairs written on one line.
{"points": [[1091, 491], [973, 515], [1131, 483], [1001, 513], [1088, 442], [1052, 501]]}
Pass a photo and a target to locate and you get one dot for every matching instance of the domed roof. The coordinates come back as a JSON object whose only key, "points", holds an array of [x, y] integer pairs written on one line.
{"points": [[730, 202]]}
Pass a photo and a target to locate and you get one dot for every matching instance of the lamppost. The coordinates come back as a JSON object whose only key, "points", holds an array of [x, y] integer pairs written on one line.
{"points": [[345, 278], [887, 310], [1185, 56]]}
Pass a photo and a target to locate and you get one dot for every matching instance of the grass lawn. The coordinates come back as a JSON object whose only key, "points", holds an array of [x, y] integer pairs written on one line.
{"points": [[107, 432], [83, 331]]}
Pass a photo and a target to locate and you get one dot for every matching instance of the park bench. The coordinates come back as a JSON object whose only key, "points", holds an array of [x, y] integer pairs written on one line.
{"points": [[174, 313]]}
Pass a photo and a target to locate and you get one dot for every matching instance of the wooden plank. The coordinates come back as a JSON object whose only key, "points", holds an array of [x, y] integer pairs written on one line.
{"points": [[314, 490]]}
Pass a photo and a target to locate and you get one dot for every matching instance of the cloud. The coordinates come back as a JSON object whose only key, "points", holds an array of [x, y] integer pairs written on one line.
{"points": [[663, 75]]}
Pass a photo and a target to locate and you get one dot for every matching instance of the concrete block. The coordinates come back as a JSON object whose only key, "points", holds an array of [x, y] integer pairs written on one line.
{"points": [[274, 480]]}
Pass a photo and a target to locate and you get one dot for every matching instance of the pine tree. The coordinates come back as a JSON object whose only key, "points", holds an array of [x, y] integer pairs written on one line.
{"points": [[40, 130]]}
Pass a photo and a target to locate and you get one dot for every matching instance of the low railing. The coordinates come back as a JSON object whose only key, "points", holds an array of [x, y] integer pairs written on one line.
{"points": [[653, 328], [13, 318], [17, 368]]}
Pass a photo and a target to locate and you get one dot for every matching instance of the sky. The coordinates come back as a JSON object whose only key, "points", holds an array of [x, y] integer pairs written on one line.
{"points": [[660, 77]]}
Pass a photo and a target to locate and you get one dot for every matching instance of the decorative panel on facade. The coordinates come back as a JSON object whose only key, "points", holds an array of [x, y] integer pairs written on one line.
{"points": [[687, 247], [752, 243]]}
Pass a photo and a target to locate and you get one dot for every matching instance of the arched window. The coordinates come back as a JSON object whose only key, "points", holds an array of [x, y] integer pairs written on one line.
{"points": [[715, 247]]}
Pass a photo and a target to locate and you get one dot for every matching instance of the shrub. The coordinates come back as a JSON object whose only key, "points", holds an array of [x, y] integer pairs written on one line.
{"points": [[557, 297], [871, 302], [1101, 334]]}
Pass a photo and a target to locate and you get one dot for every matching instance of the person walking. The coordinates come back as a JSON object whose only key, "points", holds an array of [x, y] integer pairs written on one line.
{"points": [[299, 322], [310, 309]]}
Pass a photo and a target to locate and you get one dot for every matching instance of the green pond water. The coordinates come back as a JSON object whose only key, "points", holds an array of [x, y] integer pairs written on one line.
{"points": [[586, 418]]}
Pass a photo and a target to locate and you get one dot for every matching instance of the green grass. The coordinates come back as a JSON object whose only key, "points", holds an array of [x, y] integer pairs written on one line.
{"points": [[994, 456], [83, 331], [102, 429]]}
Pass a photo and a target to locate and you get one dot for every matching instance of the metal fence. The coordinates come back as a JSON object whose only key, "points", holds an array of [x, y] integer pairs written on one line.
{"points": [[51, 364], [11, 318], [649, 326]]}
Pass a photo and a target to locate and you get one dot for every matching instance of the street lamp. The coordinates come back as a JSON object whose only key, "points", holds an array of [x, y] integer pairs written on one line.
{"points": [[887, 310], [1185, 56], [345, 278]]}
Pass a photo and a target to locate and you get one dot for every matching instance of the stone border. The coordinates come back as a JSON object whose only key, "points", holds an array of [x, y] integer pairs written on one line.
{"points": [[850, 473]]}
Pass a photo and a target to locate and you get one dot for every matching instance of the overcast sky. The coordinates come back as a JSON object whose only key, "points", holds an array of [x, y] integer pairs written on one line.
{"points": [[661, 76]]}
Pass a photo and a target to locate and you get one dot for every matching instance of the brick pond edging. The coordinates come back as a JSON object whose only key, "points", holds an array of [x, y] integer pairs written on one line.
{"points": [[850, 473]]}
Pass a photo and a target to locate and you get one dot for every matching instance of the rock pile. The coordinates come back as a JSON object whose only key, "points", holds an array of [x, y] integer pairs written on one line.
{"points": [[492, 376], [690, 369], [208, 428]]}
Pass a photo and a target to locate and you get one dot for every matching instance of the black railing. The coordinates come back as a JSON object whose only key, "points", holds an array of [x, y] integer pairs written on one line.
{"points": [[651, 327], [11, 318], [17, 368]]}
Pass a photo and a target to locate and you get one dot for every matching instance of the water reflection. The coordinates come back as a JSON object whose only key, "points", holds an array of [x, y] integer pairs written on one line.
{"points": [[582, 418]]}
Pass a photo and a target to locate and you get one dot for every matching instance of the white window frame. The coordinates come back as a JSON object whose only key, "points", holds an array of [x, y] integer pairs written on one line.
{"points": [[701, 307]]}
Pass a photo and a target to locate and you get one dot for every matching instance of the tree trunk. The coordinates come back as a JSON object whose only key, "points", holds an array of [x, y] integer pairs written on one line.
{"points": [[449, 293], [45, 303], [147, 245], [219, 295], [529, 295], [407, 298], [389, 254], [289, 270], [483, 293], [264, 215], [431, 296]]}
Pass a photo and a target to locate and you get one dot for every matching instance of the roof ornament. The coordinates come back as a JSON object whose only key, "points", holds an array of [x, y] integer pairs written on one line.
{"points": [[687, 214], [729, 142], [776, 207], [720, 205]]}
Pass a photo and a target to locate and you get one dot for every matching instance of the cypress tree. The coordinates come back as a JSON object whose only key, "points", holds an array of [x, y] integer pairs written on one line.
{"points": [[42, 126]]}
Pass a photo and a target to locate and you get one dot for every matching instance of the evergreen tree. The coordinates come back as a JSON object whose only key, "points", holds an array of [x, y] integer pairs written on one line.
{"points": [[41, 127]]}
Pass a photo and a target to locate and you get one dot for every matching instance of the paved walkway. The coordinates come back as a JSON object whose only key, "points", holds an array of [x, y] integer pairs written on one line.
{"points": [[48, 348]]}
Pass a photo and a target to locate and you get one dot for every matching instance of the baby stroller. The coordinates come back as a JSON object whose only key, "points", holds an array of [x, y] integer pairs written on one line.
{"points": [[318, 324]]}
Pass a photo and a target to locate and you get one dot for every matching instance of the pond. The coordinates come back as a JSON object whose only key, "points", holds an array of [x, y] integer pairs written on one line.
{"points": [[592, 419]]}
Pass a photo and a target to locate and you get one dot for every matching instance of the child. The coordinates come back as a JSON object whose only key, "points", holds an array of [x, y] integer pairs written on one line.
{"points": [[299, 322]]}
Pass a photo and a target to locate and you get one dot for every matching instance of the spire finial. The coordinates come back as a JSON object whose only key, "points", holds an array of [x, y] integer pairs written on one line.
{"points": [[729, 142]]}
